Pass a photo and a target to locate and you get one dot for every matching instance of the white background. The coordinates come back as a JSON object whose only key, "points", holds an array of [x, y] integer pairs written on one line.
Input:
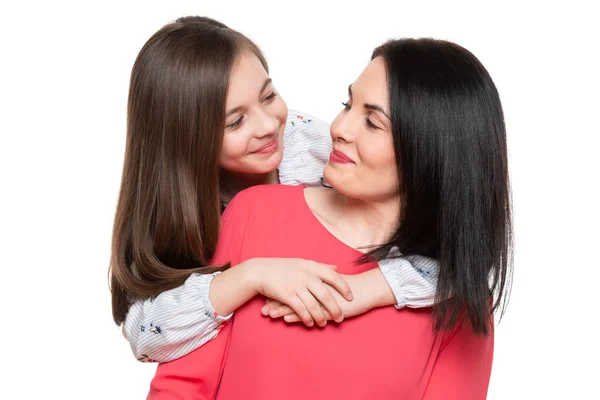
{"points": [[63, 91]]}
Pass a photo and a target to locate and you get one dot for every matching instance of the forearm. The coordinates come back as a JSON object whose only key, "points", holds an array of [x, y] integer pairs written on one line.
{"points": [[232, 288], [370, 290]]}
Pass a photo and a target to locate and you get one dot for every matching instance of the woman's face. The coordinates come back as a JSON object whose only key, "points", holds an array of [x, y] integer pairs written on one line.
{"points": [[363, 164], [255, 119]]}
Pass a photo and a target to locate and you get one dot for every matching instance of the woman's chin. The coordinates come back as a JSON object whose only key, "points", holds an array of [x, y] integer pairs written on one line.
{"points": [[331, 176]]}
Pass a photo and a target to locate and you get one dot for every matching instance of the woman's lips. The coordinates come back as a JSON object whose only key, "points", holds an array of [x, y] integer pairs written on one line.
{"points": [[337, 156]]}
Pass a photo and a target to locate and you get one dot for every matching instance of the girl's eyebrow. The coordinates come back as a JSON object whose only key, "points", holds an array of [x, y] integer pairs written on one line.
{"points": [[236, 109]]}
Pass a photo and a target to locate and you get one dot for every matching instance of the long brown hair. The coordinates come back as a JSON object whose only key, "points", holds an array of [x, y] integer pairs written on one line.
{"points": [[167, 219]]}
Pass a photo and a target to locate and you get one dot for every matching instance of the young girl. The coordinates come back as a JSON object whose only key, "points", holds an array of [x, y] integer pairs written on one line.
{"points": [[205, 122]]}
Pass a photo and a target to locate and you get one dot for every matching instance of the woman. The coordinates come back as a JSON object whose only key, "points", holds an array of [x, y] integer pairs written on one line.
{"points": [[205, 122], [419, 162]]}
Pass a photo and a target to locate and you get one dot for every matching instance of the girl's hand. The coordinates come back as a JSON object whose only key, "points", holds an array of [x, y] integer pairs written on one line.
{"points": [[310, 290], [370, 289]]}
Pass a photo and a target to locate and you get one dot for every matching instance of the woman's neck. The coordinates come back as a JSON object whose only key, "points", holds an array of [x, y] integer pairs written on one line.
{"points": [[358, 223], [232, 183]]}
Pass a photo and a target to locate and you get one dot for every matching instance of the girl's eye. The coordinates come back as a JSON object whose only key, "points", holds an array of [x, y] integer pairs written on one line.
{"points": [[236, 123], [271, 96]]}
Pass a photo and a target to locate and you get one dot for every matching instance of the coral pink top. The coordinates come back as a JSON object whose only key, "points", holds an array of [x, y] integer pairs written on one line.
{"points": [[383, 354]]}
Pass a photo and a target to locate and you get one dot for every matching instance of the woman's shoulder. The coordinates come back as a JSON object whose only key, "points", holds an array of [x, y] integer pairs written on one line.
{"points": [[263, 206], [267, 197]]}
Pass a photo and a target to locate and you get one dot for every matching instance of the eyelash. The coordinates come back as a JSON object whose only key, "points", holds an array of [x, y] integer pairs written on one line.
{"points": [[236, 123], [370, 124], [271, 96], [367, 120]]}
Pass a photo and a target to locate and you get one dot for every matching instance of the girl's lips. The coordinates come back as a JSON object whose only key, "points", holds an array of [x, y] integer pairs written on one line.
{"points": [[268, 148]]}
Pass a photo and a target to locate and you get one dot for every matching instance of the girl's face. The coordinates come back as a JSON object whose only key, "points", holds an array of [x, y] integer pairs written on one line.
{"points": [[255, 120]]}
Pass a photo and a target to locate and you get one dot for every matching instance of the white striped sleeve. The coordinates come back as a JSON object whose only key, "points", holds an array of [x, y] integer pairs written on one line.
{"points": [[306, 148], [174, 323], [413, 280]]}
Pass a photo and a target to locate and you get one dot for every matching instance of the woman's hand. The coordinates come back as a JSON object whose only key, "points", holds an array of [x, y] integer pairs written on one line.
{"points": [[370, 289], [311, 290]]}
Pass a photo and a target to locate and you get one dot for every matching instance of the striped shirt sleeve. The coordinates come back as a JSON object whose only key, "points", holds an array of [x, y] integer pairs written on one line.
{"points": [[306, 148], [174, 323], [413, 280]]}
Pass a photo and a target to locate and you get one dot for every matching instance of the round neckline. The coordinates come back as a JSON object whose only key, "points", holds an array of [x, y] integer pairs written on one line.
{"points": [[322, 227]]}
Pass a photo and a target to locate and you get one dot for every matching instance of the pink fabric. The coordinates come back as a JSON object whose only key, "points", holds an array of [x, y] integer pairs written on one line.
{"points": [[384, 354]]}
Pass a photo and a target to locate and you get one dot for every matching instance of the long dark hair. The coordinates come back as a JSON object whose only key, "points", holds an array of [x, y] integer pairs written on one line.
{"points": [[450, 143], [168, 213]]}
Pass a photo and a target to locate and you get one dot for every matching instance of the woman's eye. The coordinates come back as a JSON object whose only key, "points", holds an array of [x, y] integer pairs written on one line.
{"points": [[370, 124]]}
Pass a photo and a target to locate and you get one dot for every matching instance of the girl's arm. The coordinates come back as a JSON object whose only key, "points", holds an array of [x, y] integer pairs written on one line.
{"points": [[174, 323], [401, 282], [180, 320]]}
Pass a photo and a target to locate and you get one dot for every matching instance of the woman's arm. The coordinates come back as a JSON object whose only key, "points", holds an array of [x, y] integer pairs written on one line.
{"points": [[194, 376], [463, 367]]}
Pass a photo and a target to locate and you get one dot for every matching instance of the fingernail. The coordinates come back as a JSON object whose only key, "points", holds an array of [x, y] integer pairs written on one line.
{"points": [[288, 318]]}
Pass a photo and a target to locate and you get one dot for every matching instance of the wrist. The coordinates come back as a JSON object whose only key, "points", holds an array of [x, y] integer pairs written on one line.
{"points": [[250, 275], [233, 287], [383, 295], [371, 289], [363, 300]]}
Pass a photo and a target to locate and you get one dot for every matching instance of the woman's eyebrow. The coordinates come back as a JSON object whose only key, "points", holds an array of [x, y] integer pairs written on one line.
{"points": [[375, 107], [372, 107]]}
